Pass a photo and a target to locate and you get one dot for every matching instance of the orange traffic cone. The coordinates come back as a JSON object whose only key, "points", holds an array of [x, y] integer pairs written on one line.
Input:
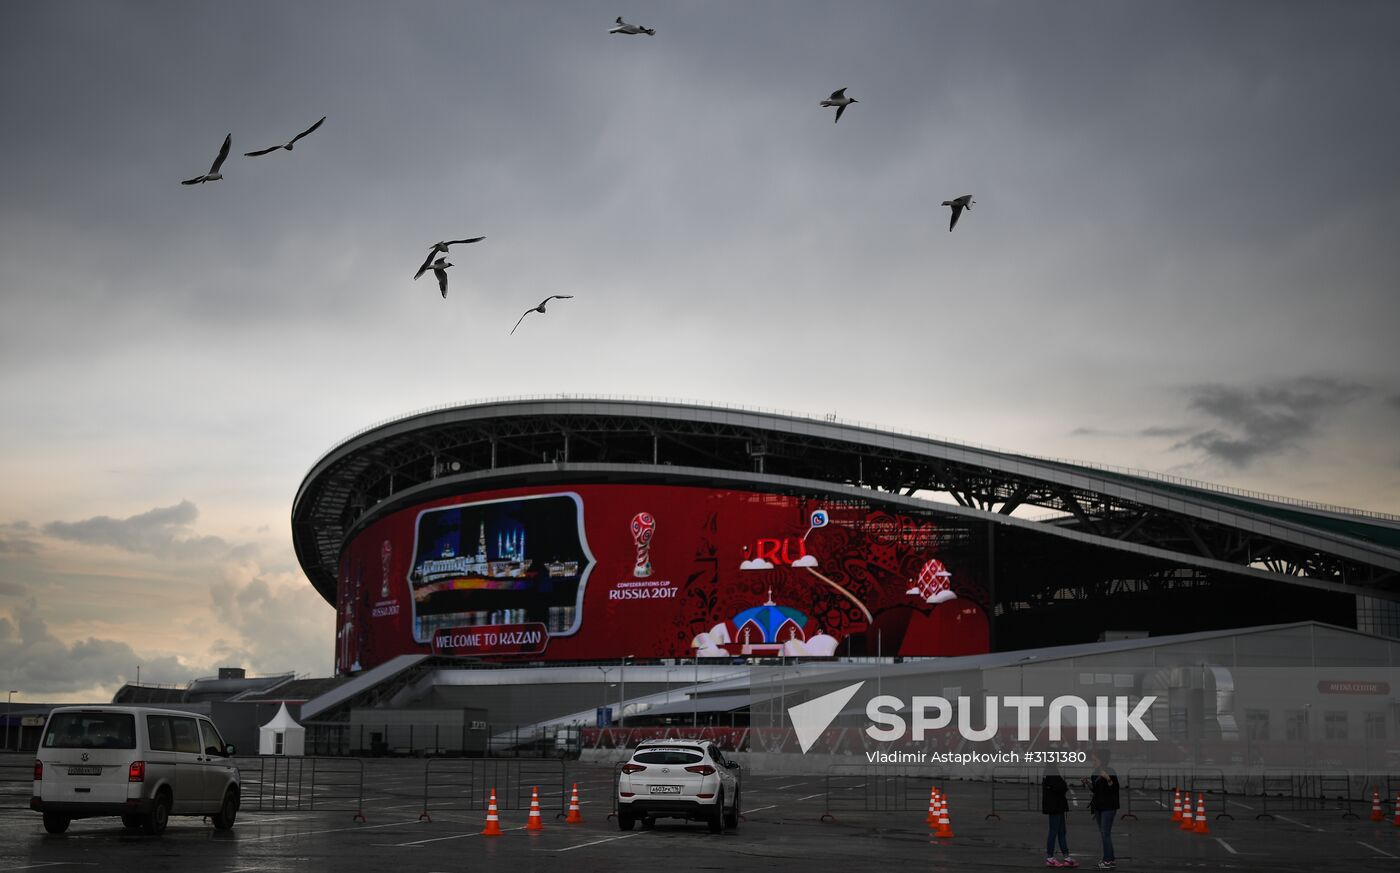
{"points": [[493, 821], [1176, 806], [1202, 823], [536, 823], [575, 817], [933, 806], [1397, 809], [1188, 822], [1376, 814], [945, 830]]}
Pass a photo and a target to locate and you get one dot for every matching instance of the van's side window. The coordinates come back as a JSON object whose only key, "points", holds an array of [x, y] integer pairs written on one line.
{"points": [[213, 743], [186, 735], [158, 727]]}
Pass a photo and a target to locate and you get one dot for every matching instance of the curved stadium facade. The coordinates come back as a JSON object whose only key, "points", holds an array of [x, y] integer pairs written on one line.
{"points": [[566, 530]]}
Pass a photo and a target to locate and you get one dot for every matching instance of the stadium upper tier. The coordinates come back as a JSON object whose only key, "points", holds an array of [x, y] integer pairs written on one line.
{"points": [[464, 448]]}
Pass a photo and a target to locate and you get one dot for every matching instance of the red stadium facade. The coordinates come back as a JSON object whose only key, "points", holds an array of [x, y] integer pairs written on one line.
{"points": [[597, 571]]}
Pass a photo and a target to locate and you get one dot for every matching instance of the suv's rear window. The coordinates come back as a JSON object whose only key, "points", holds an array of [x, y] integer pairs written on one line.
{"points": [[91, 730], [667, 756]]}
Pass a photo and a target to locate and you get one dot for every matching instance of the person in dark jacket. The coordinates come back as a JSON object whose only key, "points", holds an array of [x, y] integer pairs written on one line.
{"points": [[1054, 803], [1104, 805]]}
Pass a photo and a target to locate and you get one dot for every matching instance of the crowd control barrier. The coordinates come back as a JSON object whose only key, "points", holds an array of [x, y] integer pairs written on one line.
{"points": [[854, 788], [460, 784], [276, 783]]}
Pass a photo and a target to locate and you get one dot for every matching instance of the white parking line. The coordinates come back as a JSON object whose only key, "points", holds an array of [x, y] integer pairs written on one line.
{"points": [[1299, 823], [1227, 846], [450, 837], [1242, 805], [53, 864], [761, 808], [287, 836], [1374, 849], [596, 842], [810, 796], [793, 785]]}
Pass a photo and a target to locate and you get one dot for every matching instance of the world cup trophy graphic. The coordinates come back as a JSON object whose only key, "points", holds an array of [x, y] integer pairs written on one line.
{"points": [[386, 552], [934, 584], [643, 529]]}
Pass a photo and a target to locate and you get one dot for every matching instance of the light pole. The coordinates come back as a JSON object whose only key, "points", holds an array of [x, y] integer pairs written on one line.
{"points": [[8, 697], [606, 671], [622, 693], [669, 671], [695, 696]]}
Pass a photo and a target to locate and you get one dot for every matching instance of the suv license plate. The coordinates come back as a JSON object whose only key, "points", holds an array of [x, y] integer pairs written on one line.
{"points": [[84, 771], [665, 789]]}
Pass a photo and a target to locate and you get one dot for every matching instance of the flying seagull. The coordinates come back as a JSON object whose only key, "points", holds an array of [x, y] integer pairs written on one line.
{"points": [[287, 146], [213, 175], [440, 270], [631, 29], [440, 248], [959, 204], [540, 308], [839, 99]]}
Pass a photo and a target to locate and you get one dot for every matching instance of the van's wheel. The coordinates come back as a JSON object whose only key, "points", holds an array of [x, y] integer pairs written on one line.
{"points": [[731, 818], [131, 822], [717, 819], [155, 821], [228, 811], [624, 821], [55, 823]]}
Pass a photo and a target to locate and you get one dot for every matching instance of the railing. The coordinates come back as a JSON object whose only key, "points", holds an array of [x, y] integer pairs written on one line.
{"points": [[1296, 791], [468, 784], [866, 789], [273, 783]]}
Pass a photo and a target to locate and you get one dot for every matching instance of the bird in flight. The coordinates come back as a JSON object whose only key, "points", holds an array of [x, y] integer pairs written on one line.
{"points": [[839, 99], [540, 308], [440, 248], [287, 145], [959, 204], [440, 270], [213, 175], [631, 29]]}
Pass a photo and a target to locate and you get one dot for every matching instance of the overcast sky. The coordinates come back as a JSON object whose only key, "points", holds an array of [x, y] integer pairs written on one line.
{"points": [[1182, 258]]}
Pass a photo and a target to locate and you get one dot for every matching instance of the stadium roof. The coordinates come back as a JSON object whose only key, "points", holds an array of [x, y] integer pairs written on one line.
{"points": [[507, 442]]}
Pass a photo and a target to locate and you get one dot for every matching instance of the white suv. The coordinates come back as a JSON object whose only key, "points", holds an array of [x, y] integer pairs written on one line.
{"points": [[688, 779], [142, 764]]}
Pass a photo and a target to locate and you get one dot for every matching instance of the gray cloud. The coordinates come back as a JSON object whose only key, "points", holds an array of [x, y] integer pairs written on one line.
{"points": [[34, 660], [278, 627], [1253, 422], [163, 531], [1165, 431]]}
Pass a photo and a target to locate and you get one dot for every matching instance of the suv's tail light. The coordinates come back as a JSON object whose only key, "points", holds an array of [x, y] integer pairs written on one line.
{"points": [[136, 772], [632, 768], [38, 770], [702, 769]]}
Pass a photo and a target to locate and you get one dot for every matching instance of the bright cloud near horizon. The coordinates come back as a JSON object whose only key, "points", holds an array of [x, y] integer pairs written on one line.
{"points": [[1181, 258]]}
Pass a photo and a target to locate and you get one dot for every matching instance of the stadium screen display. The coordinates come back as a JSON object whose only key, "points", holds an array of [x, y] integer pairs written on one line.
{"points": [[606, 571]]}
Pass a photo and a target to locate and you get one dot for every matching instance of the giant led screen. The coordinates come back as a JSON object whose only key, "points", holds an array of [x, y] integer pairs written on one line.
{"points": [[606, 571]]}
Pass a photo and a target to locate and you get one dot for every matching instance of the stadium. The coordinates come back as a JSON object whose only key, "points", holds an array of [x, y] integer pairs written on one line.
{"points": [[467, 547]]}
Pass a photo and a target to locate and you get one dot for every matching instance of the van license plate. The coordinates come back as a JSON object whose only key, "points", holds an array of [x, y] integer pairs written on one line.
{"points": [[84, 771], [665, 789]]}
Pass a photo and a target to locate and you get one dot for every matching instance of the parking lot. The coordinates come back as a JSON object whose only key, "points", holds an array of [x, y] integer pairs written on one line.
{"points": [[783, 831]]}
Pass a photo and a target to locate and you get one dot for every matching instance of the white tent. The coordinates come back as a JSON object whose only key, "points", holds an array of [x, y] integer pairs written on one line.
{"points": [[282, 735]]}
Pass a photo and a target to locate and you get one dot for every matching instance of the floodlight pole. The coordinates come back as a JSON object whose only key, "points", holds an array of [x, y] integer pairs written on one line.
{"points": [[622, 694], [606, 671], [695, 696]]}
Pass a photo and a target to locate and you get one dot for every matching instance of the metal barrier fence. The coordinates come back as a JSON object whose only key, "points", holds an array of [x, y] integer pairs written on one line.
{"points": [[1165, 781], [16, 780], [1302, 791], [853, 788], [467, 783], [274, 783]]}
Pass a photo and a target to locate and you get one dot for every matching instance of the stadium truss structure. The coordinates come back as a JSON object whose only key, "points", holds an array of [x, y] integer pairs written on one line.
{"points": [[1072, 548]]}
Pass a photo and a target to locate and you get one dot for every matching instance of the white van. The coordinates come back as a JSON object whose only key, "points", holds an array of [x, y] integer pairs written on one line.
{"points": [[142, 764]]}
